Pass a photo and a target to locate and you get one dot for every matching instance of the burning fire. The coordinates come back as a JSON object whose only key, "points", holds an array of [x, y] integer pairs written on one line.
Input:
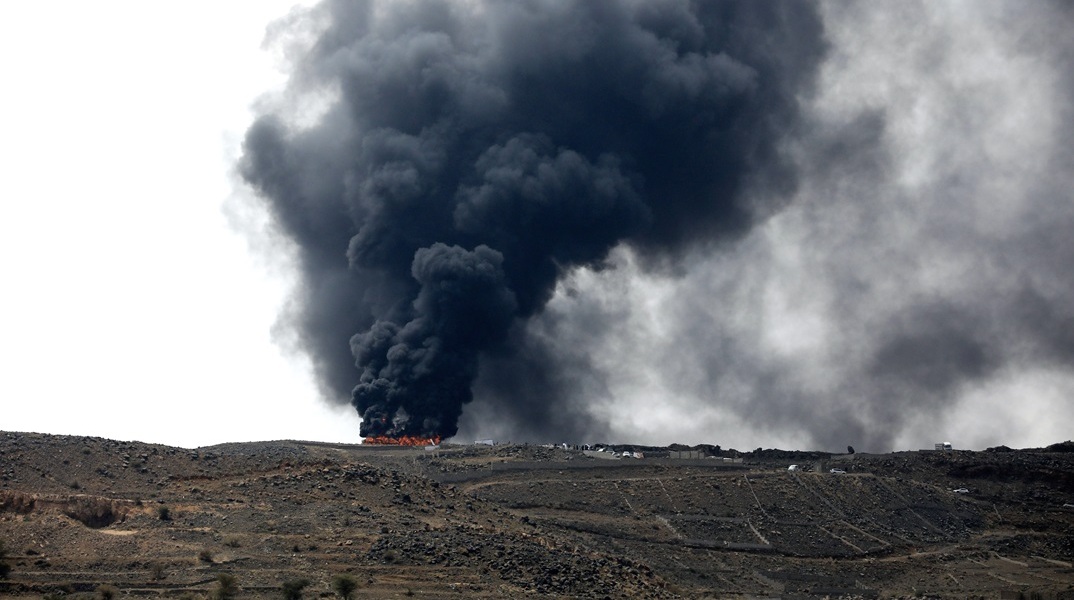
{"points": [[406, 440]]}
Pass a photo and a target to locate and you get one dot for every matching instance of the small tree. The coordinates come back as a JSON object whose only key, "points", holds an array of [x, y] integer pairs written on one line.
{"points": [[292, 590], [5, 569], [344, 585], [850, 449], [157, 571], [226, 587]]}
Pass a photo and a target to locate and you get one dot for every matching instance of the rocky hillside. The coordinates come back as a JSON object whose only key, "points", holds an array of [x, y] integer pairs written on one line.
{"points": [[94, 517]]}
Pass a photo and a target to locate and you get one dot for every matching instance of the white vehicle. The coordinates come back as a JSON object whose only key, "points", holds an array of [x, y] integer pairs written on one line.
{"points": [[961, 491], [837, 472], [792, 468]]}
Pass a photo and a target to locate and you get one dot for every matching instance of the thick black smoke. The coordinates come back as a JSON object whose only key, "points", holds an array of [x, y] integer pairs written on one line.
{"points": [[472, 153]]}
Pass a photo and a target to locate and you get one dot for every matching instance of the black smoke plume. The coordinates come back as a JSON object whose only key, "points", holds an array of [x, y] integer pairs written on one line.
{"points": [[472, 153]]}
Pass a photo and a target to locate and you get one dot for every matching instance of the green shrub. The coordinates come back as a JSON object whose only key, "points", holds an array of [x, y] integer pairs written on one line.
{"points": [[164, 513], [205, 556], [107, 592], [226, 587], [292, 590], [344, 585]]}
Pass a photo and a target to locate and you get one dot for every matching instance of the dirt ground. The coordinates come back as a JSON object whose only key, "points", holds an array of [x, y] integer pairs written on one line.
{"points": [[89, 517]]}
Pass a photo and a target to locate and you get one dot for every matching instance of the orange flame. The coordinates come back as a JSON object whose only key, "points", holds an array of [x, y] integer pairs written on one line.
{"points": [[406, 440]]}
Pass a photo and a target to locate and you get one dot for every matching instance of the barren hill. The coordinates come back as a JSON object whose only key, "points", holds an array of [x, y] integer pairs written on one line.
{"points": [[89, 516]]}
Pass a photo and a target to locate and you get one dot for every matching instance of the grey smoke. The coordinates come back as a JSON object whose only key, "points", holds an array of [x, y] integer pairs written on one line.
{"points": [[918, 285], [741, 223]]}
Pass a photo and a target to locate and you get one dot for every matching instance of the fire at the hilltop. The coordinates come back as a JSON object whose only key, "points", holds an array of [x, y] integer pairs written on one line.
{"points": [[406, 440]]}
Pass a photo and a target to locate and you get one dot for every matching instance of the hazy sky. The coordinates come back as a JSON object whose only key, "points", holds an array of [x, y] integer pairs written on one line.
{"points": [[912, 286], [130, 307]]}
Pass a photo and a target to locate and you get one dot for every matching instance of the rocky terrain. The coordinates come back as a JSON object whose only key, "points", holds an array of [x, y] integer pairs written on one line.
{"points": [[89, 517]]}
